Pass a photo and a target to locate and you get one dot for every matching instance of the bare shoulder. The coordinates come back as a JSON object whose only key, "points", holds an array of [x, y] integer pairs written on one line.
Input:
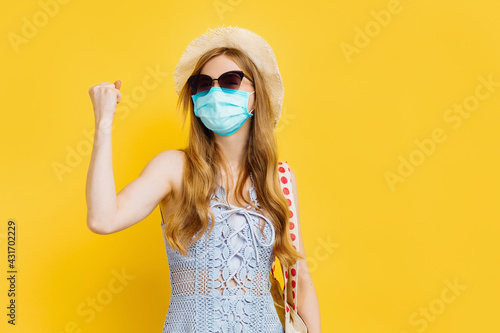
{"points": [[292, 174], [294, 181], [294, 184], [170, 156], [171, 162], [170, 165]]}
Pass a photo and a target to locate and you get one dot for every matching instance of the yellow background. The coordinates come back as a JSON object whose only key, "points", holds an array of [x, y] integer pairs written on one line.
{"points": [[380, 256]]}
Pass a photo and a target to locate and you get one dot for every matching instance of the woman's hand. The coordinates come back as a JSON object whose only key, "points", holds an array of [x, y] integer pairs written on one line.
{"points": [[105, 96]]}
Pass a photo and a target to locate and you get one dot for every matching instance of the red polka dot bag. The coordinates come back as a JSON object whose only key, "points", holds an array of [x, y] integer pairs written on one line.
{"points": [[286, 306]]}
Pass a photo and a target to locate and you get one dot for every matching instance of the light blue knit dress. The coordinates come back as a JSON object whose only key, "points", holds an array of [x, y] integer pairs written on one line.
{"points": [[203, 299]]}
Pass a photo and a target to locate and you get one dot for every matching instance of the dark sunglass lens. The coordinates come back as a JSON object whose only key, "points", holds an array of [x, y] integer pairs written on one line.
{"points": [[199, 83], [230, 81], [193, 83], [203, 83]]}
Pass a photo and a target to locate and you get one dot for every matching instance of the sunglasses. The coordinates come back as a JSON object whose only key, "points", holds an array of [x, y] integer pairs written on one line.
{"points": [[228, 80]]}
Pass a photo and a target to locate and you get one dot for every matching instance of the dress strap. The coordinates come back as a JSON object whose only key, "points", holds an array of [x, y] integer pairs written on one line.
{"points": [[251, 177]]}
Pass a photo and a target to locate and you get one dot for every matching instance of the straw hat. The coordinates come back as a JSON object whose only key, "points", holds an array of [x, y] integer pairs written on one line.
{"points": [[254, 46]]}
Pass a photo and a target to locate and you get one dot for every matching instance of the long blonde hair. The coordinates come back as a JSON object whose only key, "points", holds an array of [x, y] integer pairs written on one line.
{"points": [[203, 159]]}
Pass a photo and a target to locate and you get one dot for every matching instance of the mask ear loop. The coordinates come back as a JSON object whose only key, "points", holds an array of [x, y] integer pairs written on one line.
{"points": [[252, 109]]}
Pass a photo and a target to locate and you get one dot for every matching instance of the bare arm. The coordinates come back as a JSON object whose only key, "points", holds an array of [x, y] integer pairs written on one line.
{"points": [[108, 212], [307, 298]]}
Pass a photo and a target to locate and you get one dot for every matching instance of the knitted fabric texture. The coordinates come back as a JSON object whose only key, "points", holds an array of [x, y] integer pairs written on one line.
{"points": [[254, 46], [222, 285]]}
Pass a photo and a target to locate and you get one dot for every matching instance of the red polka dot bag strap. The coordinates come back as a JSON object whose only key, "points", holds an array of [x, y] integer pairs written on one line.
{"points": [[293, 322]]}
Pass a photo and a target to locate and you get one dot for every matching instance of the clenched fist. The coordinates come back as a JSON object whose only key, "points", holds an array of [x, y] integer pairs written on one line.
{"points": [[105, 96]]}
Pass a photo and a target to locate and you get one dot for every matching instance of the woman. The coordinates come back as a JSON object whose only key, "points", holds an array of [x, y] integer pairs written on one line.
{"points": [[228, 173]]}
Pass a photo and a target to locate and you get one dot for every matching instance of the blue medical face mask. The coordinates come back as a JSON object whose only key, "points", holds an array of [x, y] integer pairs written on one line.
{"points": [[222, 110]]}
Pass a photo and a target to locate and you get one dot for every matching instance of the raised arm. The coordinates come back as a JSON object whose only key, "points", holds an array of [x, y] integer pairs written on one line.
{"points": [[107, 211]]}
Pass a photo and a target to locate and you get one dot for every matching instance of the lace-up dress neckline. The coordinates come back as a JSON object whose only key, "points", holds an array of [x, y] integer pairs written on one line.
{"points": [[222, 285]]}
